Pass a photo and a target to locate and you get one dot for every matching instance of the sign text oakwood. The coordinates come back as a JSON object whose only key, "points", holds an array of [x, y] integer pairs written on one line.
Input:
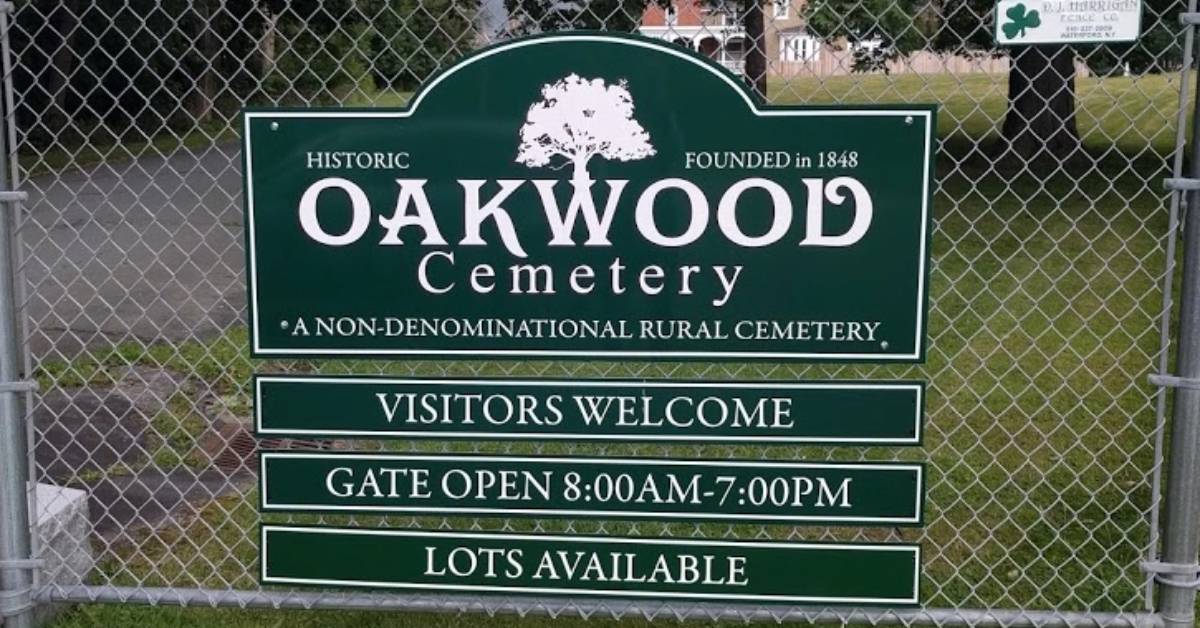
{"points": [[611, 198]]}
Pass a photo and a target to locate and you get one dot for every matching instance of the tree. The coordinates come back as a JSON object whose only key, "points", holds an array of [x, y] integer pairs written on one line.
{"points": [[98, 70], [320, 51], [1040, 121], [750, 14], [113, 68], [1159, 49], [755, 68], [323, 50], [578, 119], [408, 40]]}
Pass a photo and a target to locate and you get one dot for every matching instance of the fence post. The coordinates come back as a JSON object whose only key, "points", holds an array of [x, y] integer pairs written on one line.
{"points": [[16, 605], [1177, 571], [16, 562]]}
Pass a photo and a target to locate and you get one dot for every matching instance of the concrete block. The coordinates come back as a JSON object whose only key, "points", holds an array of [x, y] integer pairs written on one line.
{"points": [[63, 533]]}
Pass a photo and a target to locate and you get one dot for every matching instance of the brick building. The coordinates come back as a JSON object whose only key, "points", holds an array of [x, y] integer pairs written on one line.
{"points": [[715, 31]]}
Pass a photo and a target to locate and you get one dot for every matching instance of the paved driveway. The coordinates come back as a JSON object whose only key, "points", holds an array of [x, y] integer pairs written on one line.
{"points": [[149, 249]]}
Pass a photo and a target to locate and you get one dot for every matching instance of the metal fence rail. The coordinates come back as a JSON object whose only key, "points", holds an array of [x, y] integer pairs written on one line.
{"points": [[1051, 301]]}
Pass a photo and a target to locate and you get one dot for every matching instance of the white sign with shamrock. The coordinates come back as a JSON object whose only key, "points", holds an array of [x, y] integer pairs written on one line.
{"points": [[1024, 22]]}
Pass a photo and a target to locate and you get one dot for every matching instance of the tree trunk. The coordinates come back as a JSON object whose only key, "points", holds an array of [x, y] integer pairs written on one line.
{"points": [[204, 91], [266, 45], [63, 64], [579, 171], [1041, 103], [755, 55]]}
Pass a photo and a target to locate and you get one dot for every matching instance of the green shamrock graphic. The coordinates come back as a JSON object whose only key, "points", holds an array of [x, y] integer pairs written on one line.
{"points": [[1021, 20]]}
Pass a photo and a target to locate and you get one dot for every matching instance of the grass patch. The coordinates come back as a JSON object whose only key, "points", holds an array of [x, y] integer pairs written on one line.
{"points": [[91, 147], [93, 616], [1134, 114], [175, 432]]}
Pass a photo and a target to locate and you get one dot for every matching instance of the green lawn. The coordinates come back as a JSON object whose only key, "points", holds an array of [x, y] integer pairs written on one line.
{"points": [[92, 616], [1045, 292], [1135, 114]]}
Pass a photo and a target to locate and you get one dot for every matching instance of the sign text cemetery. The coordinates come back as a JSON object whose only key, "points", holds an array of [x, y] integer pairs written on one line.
{"points": [[589, 196]]}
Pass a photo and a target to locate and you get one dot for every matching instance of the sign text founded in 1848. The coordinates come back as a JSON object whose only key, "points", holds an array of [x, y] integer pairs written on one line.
{"points": [[589, 196]]}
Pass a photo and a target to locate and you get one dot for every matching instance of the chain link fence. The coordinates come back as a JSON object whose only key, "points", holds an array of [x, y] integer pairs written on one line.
{"points": [[1052, 246]]}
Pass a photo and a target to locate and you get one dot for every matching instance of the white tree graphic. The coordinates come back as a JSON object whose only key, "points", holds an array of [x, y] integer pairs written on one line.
{"points": [[578, 119]]}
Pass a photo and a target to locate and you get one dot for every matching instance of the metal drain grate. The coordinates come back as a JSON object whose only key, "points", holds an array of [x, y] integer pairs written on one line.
{"points": [[241, 451]]}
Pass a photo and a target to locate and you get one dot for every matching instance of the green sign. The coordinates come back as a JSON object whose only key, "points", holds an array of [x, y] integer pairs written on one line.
{"points": [[615, 488], [860, 413], [589, 196], [623, 567]]}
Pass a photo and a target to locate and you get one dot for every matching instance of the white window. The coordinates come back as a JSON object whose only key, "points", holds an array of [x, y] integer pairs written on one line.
{"points": [[795, 47], [781, 9]]}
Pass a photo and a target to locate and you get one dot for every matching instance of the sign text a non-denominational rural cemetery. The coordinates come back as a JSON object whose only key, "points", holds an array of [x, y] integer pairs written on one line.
{"points": [[589, 196]]}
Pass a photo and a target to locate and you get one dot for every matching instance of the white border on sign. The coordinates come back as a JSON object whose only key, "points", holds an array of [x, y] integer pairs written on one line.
{"points": [[915, 388], [915, 550], [602, 354], [917, 469]]}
